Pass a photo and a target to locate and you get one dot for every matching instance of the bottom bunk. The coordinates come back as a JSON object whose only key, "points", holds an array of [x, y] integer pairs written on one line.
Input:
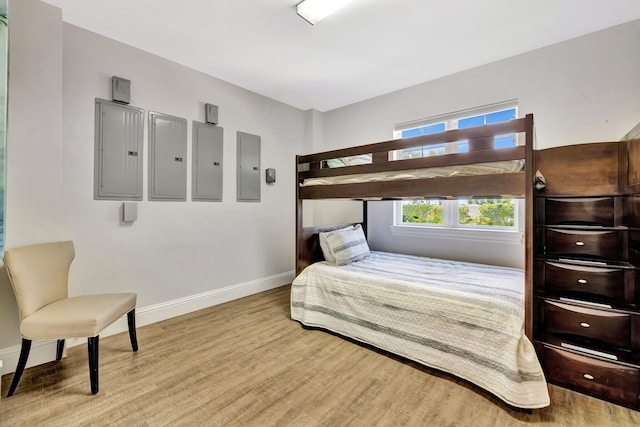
{"points": [[462, 318]]}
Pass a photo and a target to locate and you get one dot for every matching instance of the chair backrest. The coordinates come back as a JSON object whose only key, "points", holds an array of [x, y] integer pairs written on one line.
{"points": [[39, 274]]}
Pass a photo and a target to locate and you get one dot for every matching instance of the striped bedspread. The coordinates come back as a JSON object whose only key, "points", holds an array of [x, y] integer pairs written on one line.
{"points": [[463, 318]]}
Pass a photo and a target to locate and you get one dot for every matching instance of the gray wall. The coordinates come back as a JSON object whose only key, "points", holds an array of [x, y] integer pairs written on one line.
{"points": [[176, 253], [179, 248], [34, 195]]}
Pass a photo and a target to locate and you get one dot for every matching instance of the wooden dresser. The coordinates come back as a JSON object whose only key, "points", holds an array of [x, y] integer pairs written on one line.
{"points": [[586, 316]]}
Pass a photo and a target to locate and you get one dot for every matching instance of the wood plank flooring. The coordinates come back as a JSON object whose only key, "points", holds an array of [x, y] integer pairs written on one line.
{"points": [[245, 363]]}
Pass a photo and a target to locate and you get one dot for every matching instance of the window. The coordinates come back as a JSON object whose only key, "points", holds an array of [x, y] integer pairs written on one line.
{"points": [[475, 213], [483, 213]]}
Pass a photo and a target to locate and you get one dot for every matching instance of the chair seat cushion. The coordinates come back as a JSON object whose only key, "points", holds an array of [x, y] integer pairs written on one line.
{"points": [[82, 316]]}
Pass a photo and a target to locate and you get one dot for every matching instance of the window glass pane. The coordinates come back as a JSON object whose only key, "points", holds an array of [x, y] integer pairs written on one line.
{"points": [[423, 211], [463, 146], [433, 150], [487, 212], [435, 128], [502, 141], [411, 153], [411, 133], [424, 130], [430, 150], [471, 122], [424, 151], [501, 116]]}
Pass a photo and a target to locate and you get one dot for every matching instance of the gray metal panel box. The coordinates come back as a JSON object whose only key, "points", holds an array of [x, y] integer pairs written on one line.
{"points": [[129, 212], [206, 180], [211, 113], [117, 151], [248, 168], [120, 89], [167, 157]]}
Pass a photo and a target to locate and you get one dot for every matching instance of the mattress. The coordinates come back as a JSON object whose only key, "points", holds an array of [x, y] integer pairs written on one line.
{"points": [[463, 318], [506, 166]]}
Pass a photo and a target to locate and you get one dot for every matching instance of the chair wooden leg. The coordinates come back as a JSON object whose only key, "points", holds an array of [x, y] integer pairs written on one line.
{"points": [[131, 320], [93, 362], [22, 362], [59, 350]]}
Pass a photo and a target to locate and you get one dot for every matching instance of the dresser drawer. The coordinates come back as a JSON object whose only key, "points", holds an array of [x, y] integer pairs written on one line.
{"points": [[587, 211], [612, 381], [604, 326], [600, 282], [599, 244]]}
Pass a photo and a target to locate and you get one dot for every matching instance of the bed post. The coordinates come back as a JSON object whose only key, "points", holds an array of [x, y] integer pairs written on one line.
{"points": [[530, 170], [298, 220], [365, 219]]}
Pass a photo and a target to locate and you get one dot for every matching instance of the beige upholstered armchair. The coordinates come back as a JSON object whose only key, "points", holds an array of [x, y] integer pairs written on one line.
{"points": [[39, 276]]}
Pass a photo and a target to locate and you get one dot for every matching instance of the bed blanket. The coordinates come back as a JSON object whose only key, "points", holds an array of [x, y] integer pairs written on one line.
{"points": [[463, 318], [505, 166]]}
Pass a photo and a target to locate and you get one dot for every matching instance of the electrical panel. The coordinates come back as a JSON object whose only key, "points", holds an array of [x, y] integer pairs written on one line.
{"points": [[248, 167], [211, 114], [207, 151], [167, 157], [118, 151]]}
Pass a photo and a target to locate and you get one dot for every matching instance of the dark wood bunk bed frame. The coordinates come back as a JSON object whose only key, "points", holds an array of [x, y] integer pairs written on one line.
{"points": [[481, 141]]}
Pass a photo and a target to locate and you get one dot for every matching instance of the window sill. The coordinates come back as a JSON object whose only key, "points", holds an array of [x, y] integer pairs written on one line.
{"points": [[469, 234]]}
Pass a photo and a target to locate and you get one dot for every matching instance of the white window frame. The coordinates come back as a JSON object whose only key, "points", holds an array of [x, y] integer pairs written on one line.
{"points": [[450, 228]]}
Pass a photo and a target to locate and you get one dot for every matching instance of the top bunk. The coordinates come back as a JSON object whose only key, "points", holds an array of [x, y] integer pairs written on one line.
{"points": [[377, 171]]}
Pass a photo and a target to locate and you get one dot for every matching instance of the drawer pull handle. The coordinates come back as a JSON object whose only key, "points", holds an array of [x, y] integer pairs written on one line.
{"points": [[588, 377], [582, 281], [585, 325], [579, 243]]}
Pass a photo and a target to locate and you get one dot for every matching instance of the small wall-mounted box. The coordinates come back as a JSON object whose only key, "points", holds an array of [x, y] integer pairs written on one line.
{"points": [[270, 175], [120, 89], [129, 212], [211, 114]]}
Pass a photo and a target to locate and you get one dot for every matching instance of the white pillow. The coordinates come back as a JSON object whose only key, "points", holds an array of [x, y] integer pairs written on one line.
{"points": [[324, 245], [348, 246]]}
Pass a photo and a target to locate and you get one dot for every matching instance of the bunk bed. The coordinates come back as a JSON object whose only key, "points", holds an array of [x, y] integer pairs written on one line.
{"points": [[471, 320]]}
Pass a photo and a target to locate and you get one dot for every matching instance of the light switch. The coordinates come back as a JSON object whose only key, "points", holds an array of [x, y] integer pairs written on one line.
{"points": [[270, 175]]}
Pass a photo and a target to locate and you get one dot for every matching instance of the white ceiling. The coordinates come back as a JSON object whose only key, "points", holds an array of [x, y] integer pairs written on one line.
{"points": [[369, 48]]}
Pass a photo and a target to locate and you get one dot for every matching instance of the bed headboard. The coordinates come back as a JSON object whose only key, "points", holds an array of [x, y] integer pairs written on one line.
{"points": [[308, 245]]}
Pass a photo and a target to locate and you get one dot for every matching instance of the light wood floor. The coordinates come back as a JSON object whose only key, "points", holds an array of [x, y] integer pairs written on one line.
{"points": [[246, 363]]}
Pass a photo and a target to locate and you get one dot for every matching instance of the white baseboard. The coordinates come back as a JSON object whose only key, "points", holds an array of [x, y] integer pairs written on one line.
{"points": [[45, 351]]}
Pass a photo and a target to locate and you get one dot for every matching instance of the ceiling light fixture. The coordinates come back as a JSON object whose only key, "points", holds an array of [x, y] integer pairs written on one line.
{"points": [[314, 11]]}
